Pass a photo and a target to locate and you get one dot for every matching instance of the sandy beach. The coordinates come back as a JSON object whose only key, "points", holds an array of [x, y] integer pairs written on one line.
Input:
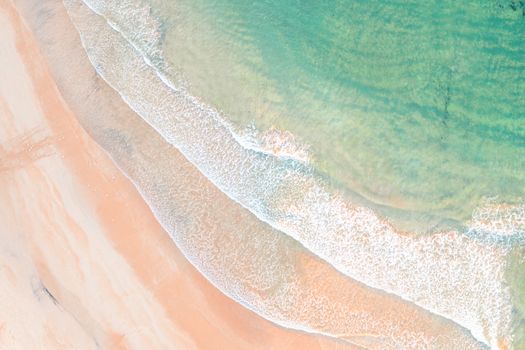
{"points": [[84, 264]]}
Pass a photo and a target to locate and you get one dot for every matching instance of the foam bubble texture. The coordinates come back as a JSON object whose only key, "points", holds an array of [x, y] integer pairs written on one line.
{"points": [[499, 222]]}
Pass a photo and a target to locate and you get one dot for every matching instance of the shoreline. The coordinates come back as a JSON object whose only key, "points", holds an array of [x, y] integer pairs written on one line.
{"points": [[124, 129], [177, 120], [106, 214]]}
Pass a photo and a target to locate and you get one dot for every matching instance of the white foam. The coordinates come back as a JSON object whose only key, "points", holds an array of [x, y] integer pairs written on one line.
{"points": [[446, 273], [503, 220], [275, 142]]}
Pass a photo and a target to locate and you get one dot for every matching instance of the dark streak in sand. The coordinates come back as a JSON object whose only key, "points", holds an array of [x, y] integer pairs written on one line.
{"points": [[50, 295]]}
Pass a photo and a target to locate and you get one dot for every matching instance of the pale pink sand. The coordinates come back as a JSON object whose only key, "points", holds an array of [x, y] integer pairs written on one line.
{"points": [[83, 263]]}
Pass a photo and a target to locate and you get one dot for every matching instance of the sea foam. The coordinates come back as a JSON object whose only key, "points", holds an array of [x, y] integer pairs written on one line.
{"points": [[499, 222], [447, 273]]}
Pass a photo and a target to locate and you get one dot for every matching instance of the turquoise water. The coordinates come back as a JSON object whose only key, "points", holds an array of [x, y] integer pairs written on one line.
{"points": [[416, 106]]}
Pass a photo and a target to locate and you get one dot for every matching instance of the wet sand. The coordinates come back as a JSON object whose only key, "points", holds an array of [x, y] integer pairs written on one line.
{"points": [[83, 262]]}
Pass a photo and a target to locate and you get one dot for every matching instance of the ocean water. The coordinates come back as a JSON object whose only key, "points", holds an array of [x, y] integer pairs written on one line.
{"points": [[334, 125], [415, 106]]}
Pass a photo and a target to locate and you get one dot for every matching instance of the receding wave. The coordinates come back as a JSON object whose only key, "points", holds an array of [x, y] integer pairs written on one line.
{"points": [[448, 273]]}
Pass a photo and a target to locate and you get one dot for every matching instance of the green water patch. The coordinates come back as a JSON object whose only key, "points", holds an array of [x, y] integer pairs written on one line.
{"points": [[515, 275], [417, 107], [516, 278]]}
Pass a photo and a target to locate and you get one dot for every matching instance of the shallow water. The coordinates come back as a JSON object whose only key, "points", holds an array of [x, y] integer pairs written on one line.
{"points": [[416, 106], [270, 173]]}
